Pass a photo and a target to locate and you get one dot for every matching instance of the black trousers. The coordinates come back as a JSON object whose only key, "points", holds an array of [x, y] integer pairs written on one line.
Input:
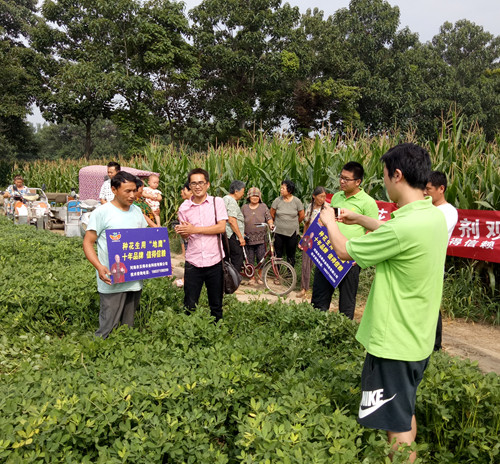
{"points": [[235, 252], [348, 288], [287, 244], [439, 333], [194, 278]]}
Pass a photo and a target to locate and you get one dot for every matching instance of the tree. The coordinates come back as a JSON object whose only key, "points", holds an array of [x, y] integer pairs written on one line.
{"points": [[471, 58], [248, 64], [18, 75], [380, 62], [64, 140], [322, 96], [117, 58]]}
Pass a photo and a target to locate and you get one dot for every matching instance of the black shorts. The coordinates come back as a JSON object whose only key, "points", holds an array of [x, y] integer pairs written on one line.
{"points": [[389, 390]]}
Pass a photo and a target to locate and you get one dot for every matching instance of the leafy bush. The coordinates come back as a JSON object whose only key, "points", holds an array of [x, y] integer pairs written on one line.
{"points": [[270, 383]]}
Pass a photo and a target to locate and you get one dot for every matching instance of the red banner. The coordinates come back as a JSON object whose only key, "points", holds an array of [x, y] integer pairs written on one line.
{"points": [[476, 235]]}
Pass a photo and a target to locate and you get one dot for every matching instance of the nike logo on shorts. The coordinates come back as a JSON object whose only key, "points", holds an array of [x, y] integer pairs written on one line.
{"points": [[372, 400]]}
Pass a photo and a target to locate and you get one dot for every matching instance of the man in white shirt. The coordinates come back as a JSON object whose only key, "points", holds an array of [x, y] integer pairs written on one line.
{"points": [[106, 193], [435, 188]]}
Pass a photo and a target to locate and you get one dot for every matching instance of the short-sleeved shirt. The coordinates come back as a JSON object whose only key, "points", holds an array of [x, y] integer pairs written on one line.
{"points": [[108, 216], [23, 190], [145, 208], [311, 214], [203, 250], [106, 193], [233, 210], [154, 204], [256, 235], [401, 313], [361, 203], [287, 215], [451, 216]]}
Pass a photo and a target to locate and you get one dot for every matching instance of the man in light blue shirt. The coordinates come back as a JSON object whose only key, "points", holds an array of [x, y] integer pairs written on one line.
{"points": [[118, 301]]}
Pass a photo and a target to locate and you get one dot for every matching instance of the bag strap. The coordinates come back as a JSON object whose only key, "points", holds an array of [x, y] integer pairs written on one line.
{"points": [[219, 238]]}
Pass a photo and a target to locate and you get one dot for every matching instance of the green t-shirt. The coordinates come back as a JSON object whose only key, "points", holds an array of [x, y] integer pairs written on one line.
{"points": [[400, 317], [361, 203]]}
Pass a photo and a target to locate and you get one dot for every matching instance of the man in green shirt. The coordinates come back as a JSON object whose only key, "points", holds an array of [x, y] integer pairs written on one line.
{"points": [[399, 323], [354, 198]]}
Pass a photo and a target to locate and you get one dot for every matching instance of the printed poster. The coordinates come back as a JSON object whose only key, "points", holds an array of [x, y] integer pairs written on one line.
{"points": [[138, 254], [317, 245]]}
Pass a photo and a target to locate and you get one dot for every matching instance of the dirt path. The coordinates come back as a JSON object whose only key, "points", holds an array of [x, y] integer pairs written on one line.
{"points": [[478, 342]]}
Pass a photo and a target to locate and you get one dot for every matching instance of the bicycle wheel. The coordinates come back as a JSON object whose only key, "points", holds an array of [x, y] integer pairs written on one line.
{"points": [[248, 270], [279, 277]]}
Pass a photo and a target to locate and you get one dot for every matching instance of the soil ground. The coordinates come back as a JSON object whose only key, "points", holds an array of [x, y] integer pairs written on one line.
{"points": [[467, 340]]}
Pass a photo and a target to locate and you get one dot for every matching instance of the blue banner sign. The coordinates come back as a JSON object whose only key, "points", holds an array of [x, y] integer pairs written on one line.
{"points": [[138, 254], [317, 245]]}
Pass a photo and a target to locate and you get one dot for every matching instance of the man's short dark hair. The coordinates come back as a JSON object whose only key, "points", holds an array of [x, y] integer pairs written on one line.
{"points": [[413, 161], [114, 164], [236, 185], [438, 178], [198, 171], [357, 170], [290, 186], [186, 186], [121, 178]]}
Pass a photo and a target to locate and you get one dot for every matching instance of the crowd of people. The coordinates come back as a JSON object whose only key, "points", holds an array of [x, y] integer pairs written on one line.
{"points": [[398, 327], [401, 324]]}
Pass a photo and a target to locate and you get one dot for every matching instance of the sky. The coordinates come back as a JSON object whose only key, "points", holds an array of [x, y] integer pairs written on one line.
{"points": [[422, 16]]}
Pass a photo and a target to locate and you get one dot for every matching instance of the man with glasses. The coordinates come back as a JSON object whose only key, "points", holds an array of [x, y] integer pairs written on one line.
{"points": [[202, 218], [352, 197]]}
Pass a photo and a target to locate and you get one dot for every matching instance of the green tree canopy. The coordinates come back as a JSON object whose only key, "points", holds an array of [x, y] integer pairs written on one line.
{"points": [[247, 61], [119, 58], [18, 75]]}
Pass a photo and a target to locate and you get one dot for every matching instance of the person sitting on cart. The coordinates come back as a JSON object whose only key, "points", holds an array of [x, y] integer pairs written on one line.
{"points": [[106, 194], [17, 188]]}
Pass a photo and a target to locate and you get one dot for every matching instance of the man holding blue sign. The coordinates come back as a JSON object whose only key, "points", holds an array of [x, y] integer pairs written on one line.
{"points": [[119, 301], [352, 197], [399, 322]]}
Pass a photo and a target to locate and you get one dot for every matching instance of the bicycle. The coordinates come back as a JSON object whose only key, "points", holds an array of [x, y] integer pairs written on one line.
{"points": [[278, 275]]}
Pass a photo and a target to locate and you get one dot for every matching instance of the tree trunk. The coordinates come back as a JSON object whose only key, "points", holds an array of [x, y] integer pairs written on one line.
{"points": [[89, 146]]}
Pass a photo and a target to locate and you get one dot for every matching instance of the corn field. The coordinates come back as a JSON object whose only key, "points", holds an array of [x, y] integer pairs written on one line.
{"points": [[471, 163]]}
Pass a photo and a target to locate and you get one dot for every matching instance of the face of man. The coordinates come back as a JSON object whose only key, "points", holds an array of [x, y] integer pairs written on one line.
{"points": [[19, 183], [436, 193], [199, 186], [238, 195], [125, 194], [112, 172], [348, 184]]}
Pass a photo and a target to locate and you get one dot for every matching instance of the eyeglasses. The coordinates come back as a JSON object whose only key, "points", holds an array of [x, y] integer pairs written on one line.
{"points": [[196, 184], [346, 179]]}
